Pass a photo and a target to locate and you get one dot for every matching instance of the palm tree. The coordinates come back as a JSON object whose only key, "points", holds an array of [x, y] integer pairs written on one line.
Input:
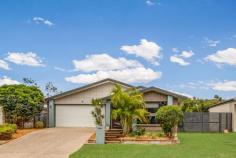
{"points": [[128, 105]]}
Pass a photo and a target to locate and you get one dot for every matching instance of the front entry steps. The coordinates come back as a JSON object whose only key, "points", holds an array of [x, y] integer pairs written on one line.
{"points": [[112, 136]]}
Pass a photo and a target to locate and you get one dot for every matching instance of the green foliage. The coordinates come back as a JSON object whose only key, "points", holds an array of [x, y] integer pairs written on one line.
{"points": [[199, 105], [137, 132], [20, 102], [39, 124], [7, 130], [97, 112], [154, 134], [13, 127], [29, 82], [169, 117], [128, 105]]}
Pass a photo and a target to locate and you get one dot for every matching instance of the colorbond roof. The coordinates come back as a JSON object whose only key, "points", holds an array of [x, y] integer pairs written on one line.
{"points": [[141, 88], [87, 87]]}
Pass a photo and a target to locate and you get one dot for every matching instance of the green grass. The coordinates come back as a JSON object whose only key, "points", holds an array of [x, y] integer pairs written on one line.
{"points": [[193, 145]]}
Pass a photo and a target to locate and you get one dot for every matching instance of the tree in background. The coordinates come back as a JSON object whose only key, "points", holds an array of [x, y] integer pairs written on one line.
{"points": [[29, 82], [199, 105], [128, 105], [51, 89], [20, 102]]}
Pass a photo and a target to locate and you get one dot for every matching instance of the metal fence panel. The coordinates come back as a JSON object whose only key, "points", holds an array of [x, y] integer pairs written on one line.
{"points": [[206, 122]]}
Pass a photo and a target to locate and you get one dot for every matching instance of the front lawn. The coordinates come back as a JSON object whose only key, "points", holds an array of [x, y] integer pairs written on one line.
{"points": [[194, 145]]}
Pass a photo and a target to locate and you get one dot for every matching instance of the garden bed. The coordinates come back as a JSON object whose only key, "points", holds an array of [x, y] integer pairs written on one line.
{"points": [[147, 138], [19, 133]]}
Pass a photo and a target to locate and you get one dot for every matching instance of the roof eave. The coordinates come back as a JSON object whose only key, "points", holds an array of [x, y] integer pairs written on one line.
{"points": [[221, 103]]}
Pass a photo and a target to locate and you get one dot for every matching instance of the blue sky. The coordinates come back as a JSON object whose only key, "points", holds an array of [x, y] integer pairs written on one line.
{"points": [[184, 46]]}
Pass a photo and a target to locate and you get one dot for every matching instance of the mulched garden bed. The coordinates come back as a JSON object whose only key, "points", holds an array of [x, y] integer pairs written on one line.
{"points": [[19, 133], [144, 139]]}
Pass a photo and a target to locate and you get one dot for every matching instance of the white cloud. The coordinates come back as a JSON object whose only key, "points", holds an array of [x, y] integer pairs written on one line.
{"points": [[104, 62], [180, 61], [150, 3], [212, 84], [224, 86], [4, 65], [186, 54], [7, 81], [129, 75], [40, 20], [30, 58], [179, 58], [227, 56], [211, 43], [146, 49]]}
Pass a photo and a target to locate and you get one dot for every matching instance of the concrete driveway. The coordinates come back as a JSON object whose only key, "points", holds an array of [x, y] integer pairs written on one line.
{"points": [[47, 143]]}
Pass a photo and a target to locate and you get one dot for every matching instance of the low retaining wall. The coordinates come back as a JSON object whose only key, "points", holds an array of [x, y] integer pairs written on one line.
{"points": [[160, 141]]}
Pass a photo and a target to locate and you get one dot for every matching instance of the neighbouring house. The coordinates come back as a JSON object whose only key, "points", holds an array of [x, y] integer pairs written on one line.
{"points": [[73, 108], [228, 106]]}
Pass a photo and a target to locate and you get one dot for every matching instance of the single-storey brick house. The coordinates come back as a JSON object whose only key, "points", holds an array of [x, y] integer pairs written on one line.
{"points": [[73, 108]]}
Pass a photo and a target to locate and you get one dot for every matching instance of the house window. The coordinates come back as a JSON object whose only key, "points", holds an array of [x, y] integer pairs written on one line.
{"points": [[152, 109]]}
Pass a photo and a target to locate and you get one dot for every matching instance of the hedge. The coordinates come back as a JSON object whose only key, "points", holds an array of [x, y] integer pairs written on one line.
{"points": [[7, 130]]}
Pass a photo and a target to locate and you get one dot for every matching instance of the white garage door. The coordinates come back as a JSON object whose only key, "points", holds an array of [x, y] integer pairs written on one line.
{"points": [[74, 116]]}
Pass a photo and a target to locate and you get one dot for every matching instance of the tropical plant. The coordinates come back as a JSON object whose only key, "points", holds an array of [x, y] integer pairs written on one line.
{"points": [[169, 117], [20, 102], [97, 112], [128, 105]]}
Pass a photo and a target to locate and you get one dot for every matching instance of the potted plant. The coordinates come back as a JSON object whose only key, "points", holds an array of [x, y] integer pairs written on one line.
{"points": [[98, 116]]}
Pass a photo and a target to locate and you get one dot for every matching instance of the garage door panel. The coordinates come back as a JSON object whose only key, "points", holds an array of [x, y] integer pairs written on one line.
{"points": [[74, 116]]}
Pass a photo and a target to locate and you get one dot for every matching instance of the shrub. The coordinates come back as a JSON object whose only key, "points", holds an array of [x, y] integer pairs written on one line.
{"points": [[39, 124], [169, 117], [7, 130], [97, 112], [138, 132]]}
